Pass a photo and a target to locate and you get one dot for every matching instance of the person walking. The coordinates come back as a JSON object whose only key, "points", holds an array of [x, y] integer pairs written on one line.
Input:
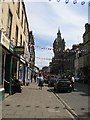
{"points": [[72, 82], [40, 81], [34, 77], [69, 77], [31, 77]]}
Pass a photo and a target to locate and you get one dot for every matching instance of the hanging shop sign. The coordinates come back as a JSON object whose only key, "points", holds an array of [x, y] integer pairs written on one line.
{"points": [[11, 46], [19, 49], [22, 59], [4, 41]]}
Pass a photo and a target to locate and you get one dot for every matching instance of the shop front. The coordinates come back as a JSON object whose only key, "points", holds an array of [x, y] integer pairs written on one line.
{"points": [[6, 58]]}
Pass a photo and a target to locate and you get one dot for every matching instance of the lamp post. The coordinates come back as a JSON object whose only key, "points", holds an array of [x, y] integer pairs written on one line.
{"points": [[11, 48], [10, 86]]}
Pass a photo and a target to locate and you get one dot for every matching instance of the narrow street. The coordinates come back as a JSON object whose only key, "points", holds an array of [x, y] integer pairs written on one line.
{"points": [[78, 100], [45, 42], [34, 103]]}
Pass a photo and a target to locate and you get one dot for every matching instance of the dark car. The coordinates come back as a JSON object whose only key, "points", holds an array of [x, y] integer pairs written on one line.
{"points": [[62, 84], [51, 81]]}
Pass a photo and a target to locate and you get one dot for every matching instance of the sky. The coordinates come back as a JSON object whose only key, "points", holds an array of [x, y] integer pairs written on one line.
{"points": [[45, 17]]}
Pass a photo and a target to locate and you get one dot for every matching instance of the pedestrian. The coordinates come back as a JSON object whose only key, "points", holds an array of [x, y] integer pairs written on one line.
{"points": [[69, 77], [35, 77], [31, 77], [72, 82], [40, 81]]}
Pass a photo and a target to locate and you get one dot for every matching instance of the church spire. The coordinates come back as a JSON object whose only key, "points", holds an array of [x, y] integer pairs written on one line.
{"points": [[58, 34]]}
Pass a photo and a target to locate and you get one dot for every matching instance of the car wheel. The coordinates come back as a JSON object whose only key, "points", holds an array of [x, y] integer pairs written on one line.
{"points": [[70, 91]]}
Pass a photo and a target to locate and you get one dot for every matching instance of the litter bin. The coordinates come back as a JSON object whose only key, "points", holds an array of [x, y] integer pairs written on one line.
{"points": [[17, 86]]}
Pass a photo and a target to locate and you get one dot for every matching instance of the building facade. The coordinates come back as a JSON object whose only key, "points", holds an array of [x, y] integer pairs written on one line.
{"points": [[14, 43], [82, 61], [86, 42], [32, 49]]}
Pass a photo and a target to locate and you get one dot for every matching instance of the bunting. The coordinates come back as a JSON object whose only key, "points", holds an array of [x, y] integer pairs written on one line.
{"points": [[63, 59], [59, 50], [73, 1]]}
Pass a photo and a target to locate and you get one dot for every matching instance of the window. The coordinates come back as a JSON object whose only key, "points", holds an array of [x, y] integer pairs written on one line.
{"points": [[24, 25], [27, 36], [24, 44], [16, 37], [13, 1], [20, 40], [9, 24], [89, 46], [18, 8], [22, 19]]}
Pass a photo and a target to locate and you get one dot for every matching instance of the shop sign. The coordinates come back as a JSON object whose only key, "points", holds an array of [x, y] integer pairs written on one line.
{"points": [[22, 59], [11, 46], [5, 41], [19, 49]]}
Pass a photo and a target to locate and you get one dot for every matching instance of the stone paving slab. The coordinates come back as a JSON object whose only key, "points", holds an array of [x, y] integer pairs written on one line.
{"points": [[33, 103]]}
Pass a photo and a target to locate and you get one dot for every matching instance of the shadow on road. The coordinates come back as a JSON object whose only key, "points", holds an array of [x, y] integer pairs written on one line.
{"points": [[51, 89], [84, 88], [82, 117]]}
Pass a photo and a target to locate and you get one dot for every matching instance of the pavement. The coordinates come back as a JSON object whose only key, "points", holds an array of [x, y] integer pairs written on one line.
{"points": [[34, 103]]}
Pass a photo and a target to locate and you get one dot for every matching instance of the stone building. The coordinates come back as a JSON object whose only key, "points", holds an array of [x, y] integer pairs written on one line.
{"points": [[82, 62], [32, 50], [14, 43], [86, 42], [56, 66], [63, 60], [79, 60]]}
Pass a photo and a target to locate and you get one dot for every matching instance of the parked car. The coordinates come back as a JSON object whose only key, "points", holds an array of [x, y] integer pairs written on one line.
{"points": [[62, 84], [51, 81]]}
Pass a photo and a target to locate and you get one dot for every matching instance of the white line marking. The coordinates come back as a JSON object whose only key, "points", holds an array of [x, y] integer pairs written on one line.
{"points": [[68, 108]]}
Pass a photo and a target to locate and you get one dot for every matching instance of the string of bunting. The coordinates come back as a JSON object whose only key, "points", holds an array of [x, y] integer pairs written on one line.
{"points": [[73, 1], [68, 51], [58, 50], [44, 48], [51, 59]]}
